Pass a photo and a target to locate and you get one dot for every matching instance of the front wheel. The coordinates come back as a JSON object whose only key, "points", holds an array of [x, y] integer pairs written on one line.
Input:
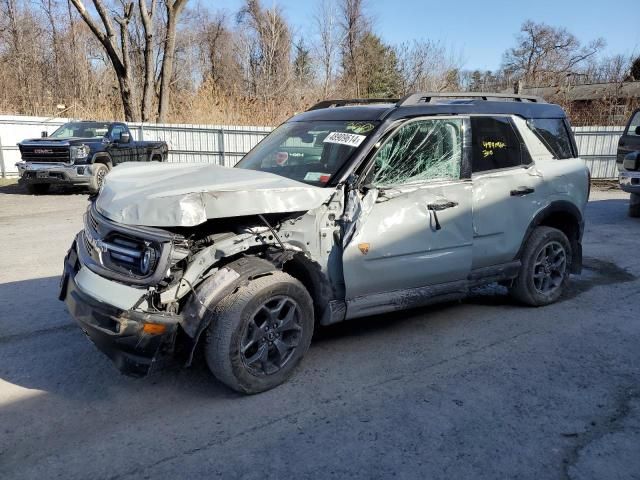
{"points": [[259, 333], [100, 171], [546, 262]]}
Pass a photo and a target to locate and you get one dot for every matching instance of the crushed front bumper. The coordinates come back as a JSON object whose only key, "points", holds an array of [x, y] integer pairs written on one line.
{"points": [[629, 181], [119, 334], [31, 172]]}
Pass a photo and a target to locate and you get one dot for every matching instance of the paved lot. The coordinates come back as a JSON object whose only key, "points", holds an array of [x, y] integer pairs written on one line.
{"points": [[482, 389]]}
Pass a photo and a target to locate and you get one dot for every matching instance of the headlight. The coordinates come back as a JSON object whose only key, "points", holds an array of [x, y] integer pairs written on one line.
{"points": [[79, 152], [147, 261]]}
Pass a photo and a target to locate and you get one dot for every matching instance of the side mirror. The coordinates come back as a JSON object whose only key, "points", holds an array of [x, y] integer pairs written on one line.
{"points": [[631, 161], [44, 134], [638, 130], [125, 137]]}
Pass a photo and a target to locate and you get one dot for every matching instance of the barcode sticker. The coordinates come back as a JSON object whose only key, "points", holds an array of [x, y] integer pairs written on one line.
{"points": [[342, 138]]}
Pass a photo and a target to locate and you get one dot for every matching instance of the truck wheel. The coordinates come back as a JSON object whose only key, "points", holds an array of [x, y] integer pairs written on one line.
{"points": [[634, 205], [96, 181], [260, 333], [546, 263], [38, 188]]}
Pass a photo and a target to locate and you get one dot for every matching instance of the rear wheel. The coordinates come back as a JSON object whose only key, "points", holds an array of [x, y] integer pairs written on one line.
{"points": [[546, 263], [100, 171], [38, 188], [634, 205], [260, 333]]}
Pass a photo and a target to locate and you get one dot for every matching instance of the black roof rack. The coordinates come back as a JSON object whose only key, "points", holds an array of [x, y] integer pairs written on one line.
{"points": [[425, 97], [351, 101]]}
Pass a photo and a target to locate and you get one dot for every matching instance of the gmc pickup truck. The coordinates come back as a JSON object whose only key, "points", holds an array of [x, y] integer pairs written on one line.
{"points": [[82, 153], [629, 163]]}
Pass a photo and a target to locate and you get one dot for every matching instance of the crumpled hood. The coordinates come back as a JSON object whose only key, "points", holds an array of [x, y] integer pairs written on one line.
{"points": [[184, 195]]}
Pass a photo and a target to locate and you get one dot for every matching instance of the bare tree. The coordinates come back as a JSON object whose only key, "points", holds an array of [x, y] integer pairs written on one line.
{"points": [[269, 49], [49, 7], [613, 68], [426, 65], [173, 9], [121, 58], [354, 26], [544, 53], [326, 26], [147, 18], [118, 55]]}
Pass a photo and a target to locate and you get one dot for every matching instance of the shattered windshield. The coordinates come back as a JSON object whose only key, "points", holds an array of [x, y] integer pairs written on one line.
{"points": [[309, 152], [420, 150], [81, 130]]}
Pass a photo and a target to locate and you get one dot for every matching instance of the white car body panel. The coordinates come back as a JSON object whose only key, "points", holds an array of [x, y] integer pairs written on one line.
{"points": [[404, 248]]}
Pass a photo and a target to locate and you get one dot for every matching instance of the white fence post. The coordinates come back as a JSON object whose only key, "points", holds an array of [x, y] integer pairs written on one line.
{"points": [[221, 146], [2, 167]]}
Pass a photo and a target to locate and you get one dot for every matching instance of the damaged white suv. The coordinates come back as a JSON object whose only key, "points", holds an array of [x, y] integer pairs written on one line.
{"points": [[353, 208]]}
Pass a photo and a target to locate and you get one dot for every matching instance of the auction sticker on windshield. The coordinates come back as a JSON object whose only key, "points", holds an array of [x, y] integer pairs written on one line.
{"points": [[342, 138]]}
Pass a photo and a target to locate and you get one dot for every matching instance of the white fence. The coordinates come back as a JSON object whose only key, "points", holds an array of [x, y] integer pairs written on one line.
{"points": [[225, 145], [598, 146]]}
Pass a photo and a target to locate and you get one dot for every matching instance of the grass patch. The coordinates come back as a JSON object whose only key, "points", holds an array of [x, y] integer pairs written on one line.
{"points": [[8, 181]]}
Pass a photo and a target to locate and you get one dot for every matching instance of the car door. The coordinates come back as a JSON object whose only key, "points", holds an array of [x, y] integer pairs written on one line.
{"points": [[506, 190], [415, 227], [630, 140], [119, 151]]}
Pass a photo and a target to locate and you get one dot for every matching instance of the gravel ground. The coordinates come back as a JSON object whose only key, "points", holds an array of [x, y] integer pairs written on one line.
{"points": [[478, 389]]}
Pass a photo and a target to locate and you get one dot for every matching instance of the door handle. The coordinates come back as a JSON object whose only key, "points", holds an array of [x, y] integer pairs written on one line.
{"points": [[441, 205], [522, 191], [438, 206]]}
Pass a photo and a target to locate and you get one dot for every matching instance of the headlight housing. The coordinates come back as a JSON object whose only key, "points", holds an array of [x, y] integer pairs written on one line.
{"points": [[79, 152]]}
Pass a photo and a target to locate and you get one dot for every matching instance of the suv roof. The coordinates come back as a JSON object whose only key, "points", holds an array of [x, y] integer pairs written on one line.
{"points": [[429, 103]]}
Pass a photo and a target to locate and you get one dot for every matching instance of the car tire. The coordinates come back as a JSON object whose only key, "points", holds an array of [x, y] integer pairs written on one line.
{"points": [[546, 263], [259, 333], [634, 205], [96, 181], [38, 188]]}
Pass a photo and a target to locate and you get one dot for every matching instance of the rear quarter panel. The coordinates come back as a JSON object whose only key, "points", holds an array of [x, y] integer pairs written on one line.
{"points": [[563, 179]]}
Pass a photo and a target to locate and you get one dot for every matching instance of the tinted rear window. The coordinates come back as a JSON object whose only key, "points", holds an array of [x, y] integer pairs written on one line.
{"points": [[553, 133], [496, 145]]}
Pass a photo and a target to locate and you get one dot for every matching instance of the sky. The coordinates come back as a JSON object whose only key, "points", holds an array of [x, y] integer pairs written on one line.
{"points": [[479, 31]]}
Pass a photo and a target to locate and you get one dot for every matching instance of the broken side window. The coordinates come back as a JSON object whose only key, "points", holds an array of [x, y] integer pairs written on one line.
{"points": [[420, 150]]}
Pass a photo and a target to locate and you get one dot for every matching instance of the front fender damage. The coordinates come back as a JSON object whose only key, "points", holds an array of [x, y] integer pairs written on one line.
{"points": [[199, 309]]}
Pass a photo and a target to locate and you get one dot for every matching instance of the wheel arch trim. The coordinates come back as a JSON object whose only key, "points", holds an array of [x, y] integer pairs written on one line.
{"points": [[559, 207], [104, 158]]}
